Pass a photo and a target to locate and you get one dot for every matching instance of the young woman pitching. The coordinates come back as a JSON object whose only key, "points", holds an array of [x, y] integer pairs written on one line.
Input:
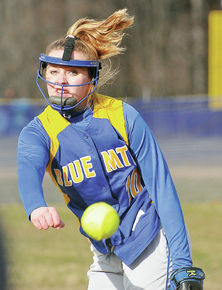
{"points": [[98, 148]]}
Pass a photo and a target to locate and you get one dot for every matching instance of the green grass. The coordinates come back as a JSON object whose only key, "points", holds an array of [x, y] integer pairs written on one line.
{"points": [[204, 223], [52, 259], [56, 260]]}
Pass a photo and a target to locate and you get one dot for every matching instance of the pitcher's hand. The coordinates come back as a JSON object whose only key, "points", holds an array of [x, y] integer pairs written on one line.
{"points": [[45, 217]]}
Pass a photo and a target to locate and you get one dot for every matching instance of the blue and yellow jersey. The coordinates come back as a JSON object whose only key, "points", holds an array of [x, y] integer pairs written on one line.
{"points": [[105, 153]]}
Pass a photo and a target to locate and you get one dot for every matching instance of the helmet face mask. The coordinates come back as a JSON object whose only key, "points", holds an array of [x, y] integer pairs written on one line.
{"points": [[66, 104]]}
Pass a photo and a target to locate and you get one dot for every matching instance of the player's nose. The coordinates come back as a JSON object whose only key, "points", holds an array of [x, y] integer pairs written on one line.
{"points": [[62, 78]]}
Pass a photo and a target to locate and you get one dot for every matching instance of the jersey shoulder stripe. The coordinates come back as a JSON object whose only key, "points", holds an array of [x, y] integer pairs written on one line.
{"points": [[53, 124], [112, 109]]}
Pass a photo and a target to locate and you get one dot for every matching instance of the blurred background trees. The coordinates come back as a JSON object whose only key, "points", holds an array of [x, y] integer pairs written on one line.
{"points": [[166, 48]]}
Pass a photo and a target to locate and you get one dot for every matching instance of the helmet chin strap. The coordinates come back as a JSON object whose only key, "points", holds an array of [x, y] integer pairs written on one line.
{"points": [[72, 101], [70, 104]]}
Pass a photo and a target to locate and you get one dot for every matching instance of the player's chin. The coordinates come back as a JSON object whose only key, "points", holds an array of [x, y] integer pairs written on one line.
{"points": [[67, 100]]}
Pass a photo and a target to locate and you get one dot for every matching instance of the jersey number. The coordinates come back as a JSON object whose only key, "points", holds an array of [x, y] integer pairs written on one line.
{"points": [[133, 184]]}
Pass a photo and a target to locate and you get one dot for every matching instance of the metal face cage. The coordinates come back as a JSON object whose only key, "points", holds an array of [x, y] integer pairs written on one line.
{"points": [[93, 65]]}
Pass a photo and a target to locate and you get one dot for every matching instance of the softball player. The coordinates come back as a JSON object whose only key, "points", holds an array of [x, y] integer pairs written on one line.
{"points": [[97, 148]]}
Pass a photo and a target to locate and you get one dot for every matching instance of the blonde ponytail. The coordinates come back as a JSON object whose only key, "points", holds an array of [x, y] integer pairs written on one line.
{"points": [[102, 38], [98, 40]]}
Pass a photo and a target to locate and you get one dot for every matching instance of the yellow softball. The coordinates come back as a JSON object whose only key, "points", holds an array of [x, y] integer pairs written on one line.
{"points": [[100, 221]]}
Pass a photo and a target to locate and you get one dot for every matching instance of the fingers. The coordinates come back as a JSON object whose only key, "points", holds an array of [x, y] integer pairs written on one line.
{"points": [[56, 221], [46, 217], [37, 224]]}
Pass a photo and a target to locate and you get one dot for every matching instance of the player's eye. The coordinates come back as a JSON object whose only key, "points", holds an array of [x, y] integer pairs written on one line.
{"points": [[53, 72], [72, 72]]}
